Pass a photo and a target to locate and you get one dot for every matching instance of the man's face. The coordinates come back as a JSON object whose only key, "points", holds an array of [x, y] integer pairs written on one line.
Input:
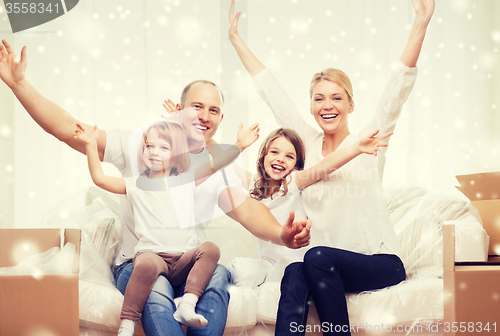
{"points": [[206, 100]]}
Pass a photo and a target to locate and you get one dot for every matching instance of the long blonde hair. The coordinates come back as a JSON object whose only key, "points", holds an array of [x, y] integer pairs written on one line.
{"points": [[261, 188], [168, 131]]}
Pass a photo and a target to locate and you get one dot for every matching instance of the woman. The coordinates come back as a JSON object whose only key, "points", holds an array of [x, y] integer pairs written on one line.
{"points": [[356, 248]]}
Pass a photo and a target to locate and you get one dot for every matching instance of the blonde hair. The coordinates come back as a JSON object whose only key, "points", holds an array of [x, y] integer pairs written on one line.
{"points": [[332, 75], [168, 131], [261, 188]]}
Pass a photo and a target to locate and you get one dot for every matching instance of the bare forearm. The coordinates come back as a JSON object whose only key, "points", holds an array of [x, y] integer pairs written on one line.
{"points": [[51, 117], [413, 47], [253, 215], [94, 164], [219, 161], [249, 60]]}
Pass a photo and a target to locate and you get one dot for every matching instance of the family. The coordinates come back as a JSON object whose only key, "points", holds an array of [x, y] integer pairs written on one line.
{"points": [[298, 199]]}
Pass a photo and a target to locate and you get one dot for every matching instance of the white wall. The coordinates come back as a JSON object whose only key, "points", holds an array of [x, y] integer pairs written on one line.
{"points": [[112, 63]]}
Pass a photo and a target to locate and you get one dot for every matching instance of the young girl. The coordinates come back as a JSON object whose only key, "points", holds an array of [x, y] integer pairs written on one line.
{"points": [[168, 243], [278, 183], [281, 176]]}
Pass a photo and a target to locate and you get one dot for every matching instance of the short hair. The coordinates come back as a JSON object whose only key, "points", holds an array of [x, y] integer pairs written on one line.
{"points": [[202, 81], [169, 131], [332, 75]]}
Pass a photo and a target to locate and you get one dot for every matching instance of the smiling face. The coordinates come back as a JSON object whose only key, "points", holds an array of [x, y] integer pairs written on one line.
{"points": [[280, 158], [206, 99], [157, 153], [191, 124], [330, 106]]}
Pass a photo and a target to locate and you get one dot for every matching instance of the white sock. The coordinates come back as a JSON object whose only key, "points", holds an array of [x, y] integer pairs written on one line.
{"points": [[127, 328], [185, 314]]}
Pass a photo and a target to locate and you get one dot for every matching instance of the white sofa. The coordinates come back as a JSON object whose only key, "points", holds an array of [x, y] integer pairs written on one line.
{"points": [[417, 215]]}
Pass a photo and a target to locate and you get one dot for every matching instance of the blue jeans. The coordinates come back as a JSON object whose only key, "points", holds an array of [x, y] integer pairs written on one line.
{"points": [[327, 274], [157, 316]]}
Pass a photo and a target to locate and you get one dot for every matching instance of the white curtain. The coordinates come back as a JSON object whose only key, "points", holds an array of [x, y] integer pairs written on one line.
{"points": [[112, 63]]}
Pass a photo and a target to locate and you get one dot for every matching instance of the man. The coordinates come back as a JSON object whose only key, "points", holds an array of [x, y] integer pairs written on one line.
{"points": [[222, 189]]}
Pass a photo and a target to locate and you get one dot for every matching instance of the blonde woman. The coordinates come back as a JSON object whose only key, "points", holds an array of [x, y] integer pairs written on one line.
{"points": [[356, 248]]}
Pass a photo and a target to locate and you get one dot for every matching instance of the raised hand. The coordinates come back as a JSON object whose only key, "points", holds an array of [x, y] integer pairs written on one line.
{"points": [[170, 106], [248, 136], [370, 143], [12, 69], [296, 234], [233, 20], [86, 134], [424, 9]]}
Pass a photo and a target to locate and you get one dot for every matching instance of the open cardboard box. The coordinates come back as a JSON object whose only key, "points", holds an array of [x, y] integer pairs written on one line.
{"points": [[483, 191], [41, 305]]}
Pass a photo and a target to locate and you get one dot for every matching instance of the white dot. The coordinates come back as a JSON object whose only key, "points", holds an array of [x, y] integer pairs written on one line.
{"points": [[493, 106], [102, 36], [288, 52], [469, 16], [84, 71], [57, 71], [474, 67], [31, 194], [41, 49], [461, 45], [333, 39], [5, 131], [187, 53], [368, 21], [269, 39], [473, 48], [119, 100], [111, 16], [168, 9], [495, 35], [439, 20], [438, 55], [60, 33], [147, 24], [95, 16], [9, 168], [159, 52], [343, 33], [272, 20], [64, 214], [328, 12], [373, 31], [308, 47]]}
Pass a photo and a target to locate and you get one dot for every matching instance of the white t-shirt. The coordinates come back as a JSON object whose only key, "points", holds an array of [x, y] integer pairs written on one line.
{"points": [[163, 215], [347, 208], [280, 207], [206, 194]]}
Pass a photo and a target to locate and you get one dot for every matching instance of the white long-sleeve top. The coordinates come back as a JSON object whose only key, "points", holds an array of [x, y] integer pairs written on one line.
{"points": [[347, 208], [280, 207]]}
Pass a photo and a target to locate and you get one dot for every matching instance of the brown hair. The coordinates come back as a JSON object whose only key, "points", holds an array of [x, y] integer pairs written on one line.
{"points": [[261, 188], [188, 87], [168, 131], [332, 75]]}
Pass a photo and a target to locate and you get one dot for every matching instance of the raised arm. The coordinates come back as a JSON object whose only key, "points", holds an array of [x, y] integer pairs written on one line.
{"points": [[222, 158], [257, 219], [51, 117], [368, 144], [423, 13], [251, 63], [87, 136]]}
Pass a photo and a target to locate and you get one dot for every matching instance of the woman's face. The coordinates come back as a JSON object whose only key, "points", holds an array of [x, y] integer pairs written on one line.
{"points": [[330, 106], [280, 158], [157, 152]]}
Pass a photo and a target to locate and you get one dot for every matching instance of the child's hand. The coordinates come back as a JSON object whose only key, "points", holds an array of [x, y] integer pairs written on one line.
{"points": [[370, 143], [86, 134], [172, 109], [247, 137]]}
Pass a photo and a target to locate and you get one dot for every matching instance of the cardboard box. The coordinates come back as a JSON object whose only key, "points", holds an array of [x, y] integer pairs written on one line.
{"points": [[471, 292], [41, 305], [483, 191]]}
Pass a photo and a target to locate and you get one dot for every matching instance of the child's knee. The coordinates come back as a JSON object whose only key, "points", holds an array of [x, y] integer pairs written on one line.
{"points": [[210, 250], [146, 264]]}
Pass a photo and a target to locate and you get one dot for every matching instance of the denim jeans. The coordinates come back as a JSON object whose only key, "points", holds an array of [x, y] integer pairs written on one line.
{"points": [[327, 274], [157, 316]]}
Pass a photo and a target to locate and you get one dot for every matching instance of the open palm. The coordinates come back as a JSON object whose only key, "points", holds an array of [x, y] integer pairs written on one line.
{"points": [[370, 143], [12, 69]]}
